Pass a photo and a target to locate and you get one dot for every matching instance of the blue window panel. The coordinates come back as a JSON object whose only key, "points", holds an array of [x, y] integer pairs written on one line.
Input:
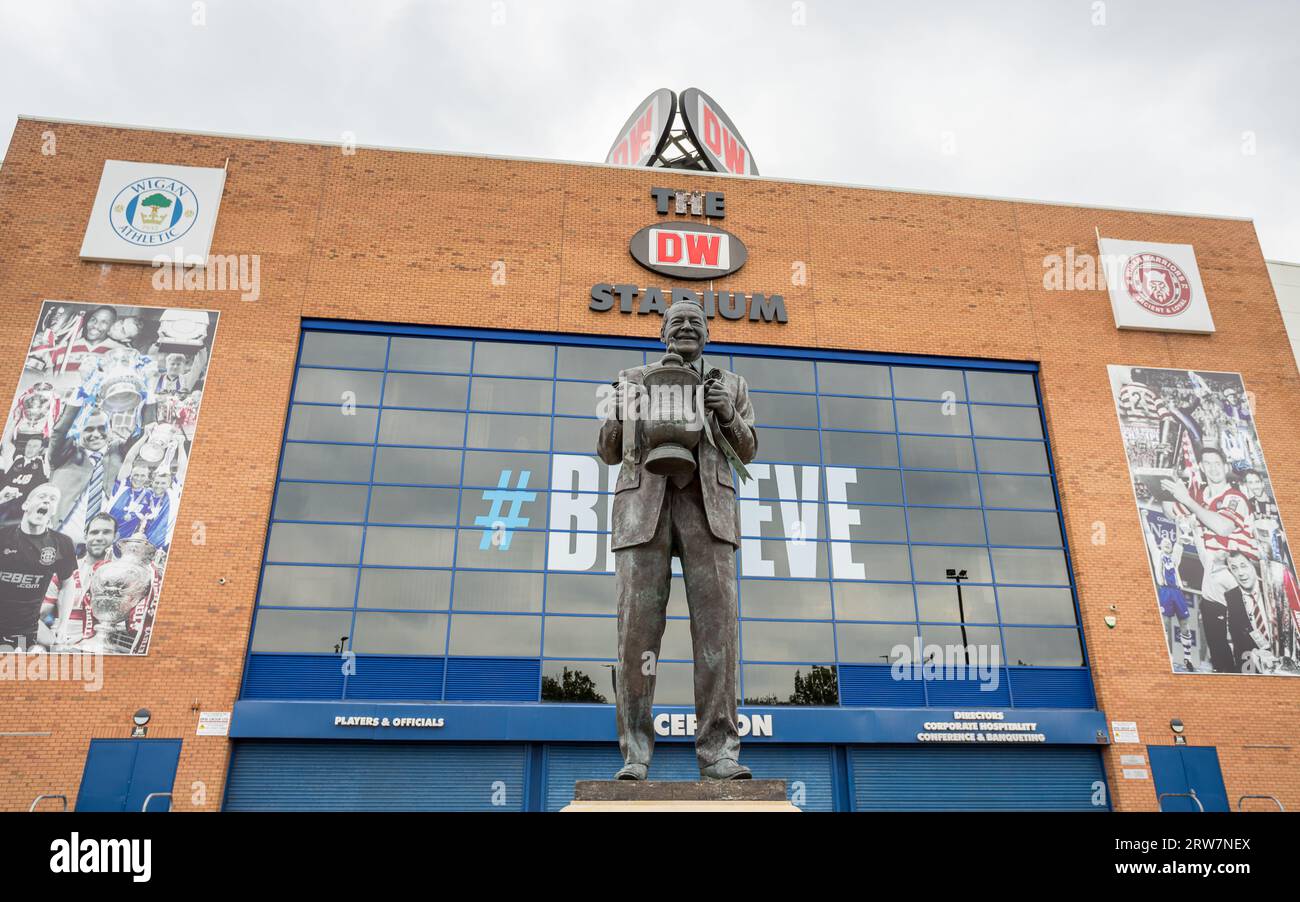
{"points": [[1052, 687], [494, 679], [874, 686], [970, 692], [1003, 410], [403, 678], [294, 676]]}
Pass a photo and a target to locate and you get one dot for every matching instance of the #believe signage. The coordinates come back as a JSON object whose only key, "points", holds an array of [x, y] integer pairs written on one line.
{"points": [[688, 250]]}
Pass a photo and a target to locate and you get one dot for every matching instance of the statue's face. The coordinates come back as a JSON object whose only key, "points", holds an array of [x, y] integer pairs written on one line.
{"points": [[686, 331]]}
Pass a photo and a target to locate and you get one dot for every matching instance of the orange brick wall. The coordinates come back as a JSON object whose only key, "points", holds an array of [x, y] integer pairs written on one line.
{"points": [[412, 238]]}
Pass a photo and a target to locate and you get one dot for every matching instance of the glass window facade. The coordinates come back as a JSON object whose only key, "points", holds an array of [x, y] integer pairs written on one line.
{"points": [[440, 496]]}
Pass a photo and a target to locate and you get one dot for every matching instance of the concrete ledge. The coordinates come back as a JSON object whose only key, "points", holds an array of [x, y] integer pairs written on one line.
{"points": [[735, 807], [701, 791]]}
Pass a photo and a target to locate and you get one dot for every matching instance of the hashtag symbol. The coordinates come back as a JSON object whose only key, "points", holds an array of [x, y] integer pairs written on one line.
{"points": [[499, 496]]}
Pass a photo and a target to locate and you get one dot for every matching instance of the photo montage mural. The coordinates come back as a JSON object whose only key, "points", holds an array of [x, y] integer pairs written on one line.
{"points": [[1225, 579], [93, 460]]}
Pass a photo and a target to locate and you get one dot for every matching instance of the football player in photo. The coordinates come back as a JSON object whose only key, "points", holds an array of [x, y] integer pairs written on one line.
{"points": [[75, 619], [1223, 517], [66, 355], [32, 557], [1174, 607]]}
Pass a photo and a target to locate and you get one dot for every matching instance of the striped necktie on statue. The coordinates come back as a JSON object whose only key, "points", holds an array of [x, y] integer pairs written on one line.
{"points": [[95, 488]]}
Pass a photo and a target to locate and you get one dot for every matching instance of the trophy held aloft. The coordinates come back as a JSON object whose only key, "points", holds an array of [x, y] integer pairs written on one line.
{"points": [[673, 413]]}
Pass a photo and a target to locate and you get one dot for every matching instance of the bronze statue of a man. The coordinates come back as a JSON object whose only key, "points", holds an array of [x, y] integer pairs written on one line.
{"points": [[691, 513]]}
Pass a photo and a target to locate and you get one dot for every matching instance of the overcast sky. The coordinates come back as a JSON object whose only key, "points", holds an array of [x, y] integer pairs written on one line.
{"points": [[1178, 105]]}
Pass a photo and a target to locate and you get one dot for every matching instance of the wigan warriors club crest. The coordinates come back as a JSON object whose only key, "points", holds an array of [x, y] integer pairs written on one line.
{"points": [[1157, 284]]}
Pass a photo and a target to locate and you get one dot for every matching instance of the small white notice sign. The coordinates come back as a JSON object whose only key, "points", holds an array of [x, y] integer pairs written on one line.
{"points": [[1132, 760], [1135, 773], [1124, 731], [213, 723]]}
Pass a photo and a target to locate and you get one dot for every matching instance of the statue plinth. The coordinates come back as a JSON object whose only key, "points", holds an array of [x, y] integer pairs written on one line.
{"points": [[680, 795]]}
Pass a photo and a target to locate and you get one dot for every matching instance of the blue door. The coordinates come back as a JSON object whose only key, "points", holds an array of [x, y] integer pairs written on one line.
{"points": [[1183, 769], [121, 773]]}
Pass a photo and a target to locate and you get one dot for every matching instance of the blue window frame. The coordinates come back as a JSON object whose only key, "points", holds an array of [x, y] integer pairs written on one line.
{"points": [[438, 499]]}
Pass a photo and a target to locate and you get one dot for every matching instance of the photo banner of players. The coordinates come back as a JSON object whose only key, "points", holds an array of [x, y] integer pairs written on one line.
{"points": [[93, 460], [1225, 578]]}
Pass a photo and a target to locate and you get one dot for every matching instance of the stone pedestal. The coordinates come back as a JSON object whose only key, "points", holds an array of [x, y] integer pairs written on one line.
{"points": [[679, 795]]}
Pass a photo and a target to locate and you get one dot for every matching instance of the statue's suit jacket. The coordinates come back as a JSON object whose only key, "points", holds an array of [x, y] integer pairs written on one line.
{"points": [[639, 494]]}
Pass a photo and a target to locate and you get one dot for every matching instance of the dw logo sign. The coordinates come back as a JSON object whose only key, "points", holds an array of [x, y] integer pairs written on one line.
{"points": [[688, 250]]}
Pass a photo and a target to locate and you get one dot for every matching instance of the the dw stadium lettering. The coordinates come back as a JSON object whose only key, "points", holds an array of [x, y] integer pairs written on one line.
{"points": [[727, 304]]}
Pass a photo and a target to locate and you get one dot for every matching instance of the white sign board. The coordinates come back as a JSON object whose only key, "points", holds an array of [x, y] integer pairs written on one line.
{"points": [[1155, 287], [1124, 731], [213, 723], [1135, 773], [143, 210]]}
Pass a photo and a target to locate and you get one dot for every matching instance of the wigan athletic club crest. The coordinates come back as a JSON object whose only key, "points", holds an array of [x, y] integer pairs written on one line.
{"points": [[153, 211], [1157, 284], [47, 555]]}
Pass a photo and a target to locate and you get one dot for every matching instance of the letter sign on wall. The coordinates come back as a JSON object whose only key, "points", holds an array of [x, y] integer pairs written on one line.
{"points": [[688, 250]]}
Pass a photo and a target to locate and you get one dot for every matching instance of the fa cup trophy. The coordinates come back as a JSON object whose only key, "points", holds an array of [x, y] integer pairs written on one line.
{"points": [[673, 412]]}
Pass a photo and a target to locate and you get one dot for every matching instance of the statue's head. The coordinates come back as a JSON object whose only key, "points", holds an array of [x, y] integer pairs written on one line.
{"points": [[685, 330]]}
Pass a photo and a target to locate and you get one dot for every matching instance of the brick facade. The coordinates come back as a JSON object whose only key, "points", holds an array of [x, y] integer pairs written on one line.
{"points": [[410, 237]]}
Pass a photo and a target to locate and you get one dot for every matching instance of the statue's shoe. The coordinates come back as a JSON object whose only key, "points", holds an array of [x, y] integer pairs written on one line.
{"points": [[726, 769], [631, 772]]}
